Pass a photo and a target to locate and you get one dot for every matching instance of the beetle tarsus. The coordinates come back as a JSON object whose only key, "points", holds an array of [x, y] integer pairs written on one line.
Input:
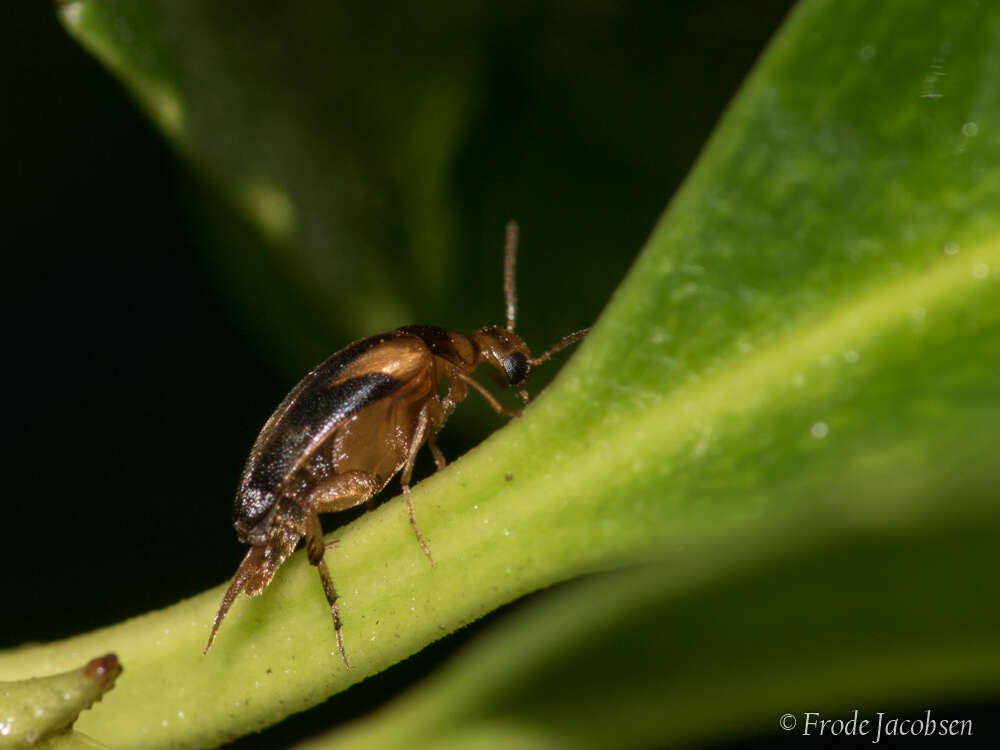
{"points": [[331, 598]]}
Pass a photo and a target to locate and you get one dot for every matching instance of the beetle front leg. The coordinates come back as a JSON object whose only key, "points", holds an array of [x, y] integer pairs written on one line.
{"points": [[490, 398]]}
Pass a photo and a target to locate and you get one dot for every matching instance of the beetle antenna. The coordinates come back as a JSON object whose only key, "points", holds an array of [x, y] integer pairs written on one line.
{"points": [[560, 344], [509, 288]]}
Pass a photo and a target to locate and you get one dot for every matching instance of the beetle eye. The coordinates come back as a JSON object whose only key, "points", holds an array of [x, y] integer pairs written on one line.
{"points": [[516, 367]]}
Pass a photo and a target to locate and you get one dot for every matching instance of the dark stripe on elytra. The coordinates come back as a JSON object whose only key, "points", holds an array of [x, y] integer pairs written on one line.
{"points": [[317, 411]]}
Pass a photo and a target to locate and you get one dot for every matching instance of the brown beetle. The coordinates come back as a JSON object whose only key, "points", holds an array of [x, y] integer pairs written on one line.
{"points": [[355, 422]]}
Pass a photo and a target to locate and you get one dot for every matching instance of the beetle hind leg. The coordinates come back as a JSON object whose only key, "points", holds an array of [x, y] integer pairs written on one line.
{"points": [[314, 550], [340, 492]]}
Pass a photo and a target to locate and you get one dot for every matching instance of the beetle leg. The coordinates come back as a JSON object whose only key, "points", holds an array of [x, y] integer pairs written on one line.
{"points": [[419, 435], [490, 398], [340, 492], [457, 391], [439, 459], [456, 395], [343, 491], [314, 550]]}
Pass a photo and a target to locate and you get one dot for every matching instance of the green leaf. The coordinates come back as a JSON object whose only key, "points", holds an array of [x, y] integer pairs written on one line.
{"points": [[789, 387], [720, 638]]}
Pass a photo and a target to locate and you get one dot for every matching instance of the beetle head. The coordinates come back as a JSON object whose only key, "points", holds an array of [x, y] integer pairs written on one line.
{"points": [[505, 351], [503, 348]]}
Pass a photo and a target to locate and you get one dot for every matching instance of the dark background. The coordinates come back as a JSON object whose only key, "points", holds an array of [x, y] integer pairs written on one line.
{"points": [[134, 389]]}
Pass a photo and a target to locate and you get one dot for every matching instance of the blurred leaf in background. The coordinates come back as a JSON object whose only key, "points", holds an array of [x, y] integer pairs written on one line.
{"points": [[363, 143]]}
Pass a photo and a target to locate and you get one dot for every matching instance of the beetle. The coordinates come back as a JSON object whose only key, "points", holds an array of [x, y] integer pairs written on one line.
{"points": [[355, 422]]}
